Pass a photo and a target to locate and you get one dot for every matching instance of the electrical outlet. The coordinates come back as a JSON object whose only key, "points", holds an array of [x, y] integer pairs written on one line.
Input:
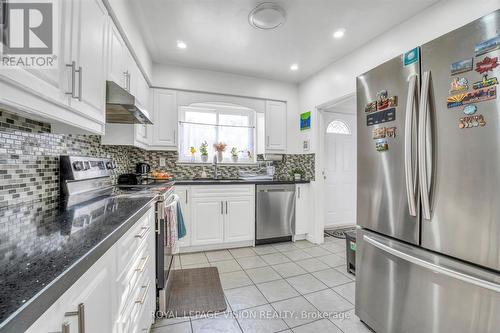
{"points": [[163, 162]]}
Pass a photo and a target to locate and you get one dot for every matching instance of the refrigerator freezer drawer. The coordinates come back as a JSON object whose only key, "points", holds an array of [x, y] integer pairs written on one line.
{"points": [[402, 288]]}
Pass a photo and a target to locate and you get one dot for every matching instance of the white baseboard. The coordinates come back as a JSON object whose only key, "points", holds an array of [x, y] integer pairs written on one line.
{"points": [[212, 247]]}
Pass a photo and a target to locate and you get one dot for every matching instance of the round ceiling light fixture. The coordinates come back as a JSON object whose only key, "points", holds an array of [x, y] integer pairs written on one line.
{"points": [[267, 16]]}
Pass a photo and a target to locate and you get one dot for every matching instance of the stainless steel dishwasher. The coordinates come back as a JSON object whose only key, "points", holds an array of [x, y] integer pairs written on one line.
{"points": [[275, 213]]}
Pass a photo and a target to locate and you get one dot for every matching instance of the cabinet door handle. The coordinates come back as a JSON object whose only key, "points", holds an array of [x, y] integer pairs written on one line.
{"points": [[73, 79], [143, 298], [80, 80], [65, 328], [143, 265], [81, 317], [222, 208], [186, 197], [144, 232], [226, 207]]}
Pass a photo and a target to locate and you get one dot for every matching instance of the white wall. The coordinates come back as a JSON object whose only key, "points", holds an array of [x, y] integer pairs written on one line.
{"points": [[339, 78], [184, 78]]}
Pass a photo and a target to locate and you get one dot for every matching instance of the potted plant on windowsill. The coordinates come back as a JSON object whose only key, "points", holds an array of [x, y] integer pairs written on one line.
{"points": [[298, 174], [193, 151], [204, 152], [234, 155], [220, 148]]}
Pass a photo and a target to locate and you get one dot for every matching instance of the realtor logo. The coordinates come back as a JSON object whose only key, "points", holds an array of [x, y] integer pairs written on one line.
{"points": [[27, 34]]}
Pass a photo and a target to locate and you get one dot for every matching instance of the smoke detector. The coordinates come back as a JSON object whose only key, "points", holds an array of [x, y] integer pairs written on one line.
{"points": [[267, 16]]}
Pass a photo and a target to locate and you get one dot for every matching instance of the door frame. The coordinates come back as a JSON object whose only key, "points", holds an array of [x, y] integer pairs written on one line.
{"points": [[320, 157]]}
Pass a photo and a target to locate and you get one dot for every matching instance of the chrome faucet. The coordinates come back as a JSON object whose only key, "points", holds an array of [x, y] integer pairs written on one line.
{"points": [[216, 167]]}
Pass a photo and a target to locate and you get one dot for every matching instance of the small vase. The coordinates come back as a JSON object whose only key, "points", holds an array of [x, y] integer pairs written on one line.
{"points": [[193, 158], [204, 158], [234, 158], [219, 156]]}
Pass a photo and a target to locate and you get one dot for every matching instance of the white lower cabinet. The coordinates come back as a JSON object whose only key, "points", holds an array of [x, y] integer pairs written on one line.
{"points": [[302, 209], [116, 294], [217, 215], [207, 217], [239, 219]]}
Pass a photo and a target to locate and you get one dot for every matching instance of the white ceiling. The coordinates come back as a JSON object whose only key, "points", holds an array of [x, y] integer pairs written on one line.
{"points": [[219, 37]]}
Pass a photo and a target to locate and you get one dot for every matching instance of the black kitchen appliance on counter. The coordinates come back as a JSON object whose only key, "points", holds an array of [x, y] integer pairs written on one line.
{"points": [[142, 168]]}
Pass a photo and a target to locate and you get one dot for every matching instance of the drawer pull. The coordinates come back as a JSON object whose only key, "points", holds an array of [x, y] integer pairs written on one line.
{"points": [[80, 313], [143, 298], [143, 233], [143, 265]]}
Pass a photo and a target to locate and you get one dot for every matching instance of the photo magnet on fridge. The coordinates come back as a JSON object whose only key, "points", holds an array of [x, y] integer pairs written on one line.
{"points": [[487, 46], [381, 145], [486, 65], [485, 82], [411, 57], [461, 66]]}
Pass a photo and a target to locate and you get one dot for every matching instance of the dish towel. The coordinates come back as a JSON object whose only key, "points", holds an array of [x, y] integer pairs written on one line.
{"points": [[181, 227], [170, 227]]}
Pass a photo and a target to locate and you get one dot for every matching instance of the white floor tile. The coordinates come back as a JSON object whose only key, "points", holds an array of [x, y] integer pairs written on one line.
{"points": [[219, 255], [331, 277], [193, 258], [306, 283], [350, 323], [316, 251], [226, 266], [343, 270], [346, 291], [296, 311], [277, 290], [242, 252], [283, 247], [219, 324], [328, 301], [251, 262], [264, 249], [244, 298], [289, 269], [323, 325], [234, 280], [184, 327], [204, 264], [312, 265], [302, 244], [332, 260], [261, 319], [275, 258], [263, 274], [297, 255]]}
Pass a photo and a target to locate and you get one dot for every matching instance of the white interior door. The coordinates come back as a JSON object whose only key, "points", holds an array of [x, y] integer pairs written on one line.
{"points": [[340, 169]]}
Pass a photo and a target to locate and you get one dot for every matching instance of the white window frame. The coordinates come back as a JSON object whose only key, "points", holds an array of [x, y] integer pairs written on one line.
{"points": [[217, 108]]}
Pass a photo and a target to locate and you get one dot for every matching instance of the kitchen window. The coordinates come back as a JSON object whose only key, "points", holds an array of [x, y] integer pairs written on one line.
{"points": [[213, 123]]}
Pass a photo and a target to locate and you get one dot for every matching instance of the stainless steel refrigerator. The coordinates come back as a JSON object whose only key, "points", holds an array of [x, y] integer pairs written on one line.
{"points": [[428, 199]]}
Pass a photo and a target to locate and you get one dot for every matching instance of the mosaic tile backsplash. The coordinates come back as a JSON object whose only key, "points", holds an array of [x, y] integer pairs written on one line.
{"points": [[29, 160]]}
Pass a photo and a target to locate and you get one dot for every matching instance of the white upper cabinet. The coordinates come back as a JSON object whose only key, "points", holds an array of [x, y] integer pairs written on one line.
{"points": [[165, 120], [90, 21], [117, 52], [275, 126]]}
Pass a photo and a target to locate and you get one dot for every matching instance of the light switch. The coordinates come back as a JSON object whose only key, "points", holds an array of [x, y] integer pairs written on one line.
{"points": [[163, 162]]}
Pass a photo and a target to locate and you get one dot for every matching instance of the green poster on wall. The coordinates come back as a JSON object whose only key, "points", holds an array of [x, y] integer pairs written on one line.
{"points": [[305, 120]]}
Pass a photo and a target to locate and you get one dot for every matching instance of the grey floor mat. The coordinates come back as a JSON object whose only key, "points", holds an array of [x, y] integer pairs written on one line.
{"points": [[196, 291]]}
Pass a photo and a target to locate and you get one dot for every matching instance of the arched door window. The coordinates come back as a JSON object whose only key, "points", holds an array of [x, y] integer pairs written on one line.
{"points": [[338, 126]]}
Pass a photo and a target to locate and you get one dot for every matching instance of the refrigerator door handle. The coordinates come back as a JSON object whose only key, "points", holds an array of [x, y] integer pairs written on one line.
{"points": [[423, 145], [432, 266], [410, 171]]}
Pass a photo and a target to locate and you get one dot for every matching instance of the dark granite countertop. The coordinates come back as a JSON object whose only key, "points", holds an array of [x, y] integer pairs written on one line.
{"points": [[44, 249], [200, 181]]}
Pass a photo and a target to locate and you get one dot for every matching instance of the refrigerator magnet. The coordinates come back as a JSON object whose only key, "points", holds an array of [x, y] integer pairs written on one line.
{"points": [[379, 133], [486, 65], [410, 57], [480, 95], [371, 107], [455, 100], [470, 109], [391, 132], [486, 46], [381, 145], [461, 66], [459, 84], [384, 101], [485, 82]]}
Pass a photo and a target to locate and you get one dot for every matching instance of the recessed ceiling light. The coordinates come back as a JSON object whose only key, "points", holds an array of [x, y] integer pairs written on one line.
{"points": [[339, 33], [294, 67], [267, 16], [181, 44]]}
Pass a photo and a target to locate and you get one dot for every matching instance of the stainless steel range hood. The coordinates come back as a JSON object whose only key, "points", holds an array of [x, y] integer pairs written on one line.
{"points": [[122, 108]]}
